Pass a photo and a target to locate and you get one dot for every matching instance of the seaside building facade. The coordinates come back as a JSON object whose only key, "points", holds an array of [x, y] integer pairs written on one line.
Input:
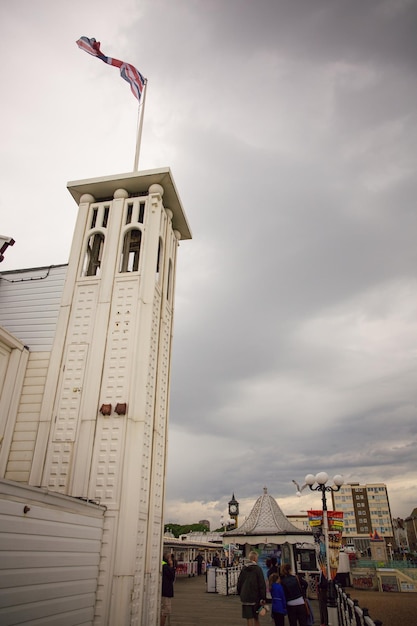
{"points": [[366, 510]]}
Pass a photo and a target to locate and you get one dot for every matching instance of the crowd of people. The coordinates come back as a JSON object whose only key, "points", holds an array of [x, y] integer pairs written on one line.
{"points": [[288, 591]]}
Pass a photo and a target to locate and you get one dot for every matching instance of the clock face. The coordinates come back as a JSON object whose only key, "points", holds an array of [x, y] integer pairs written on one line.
{"points": [[233, 508]]}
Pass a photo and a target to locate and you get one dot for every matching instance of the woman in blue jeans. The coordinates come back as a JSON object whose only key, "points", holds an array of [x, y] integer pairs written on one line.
{"points": [[295, 589]]}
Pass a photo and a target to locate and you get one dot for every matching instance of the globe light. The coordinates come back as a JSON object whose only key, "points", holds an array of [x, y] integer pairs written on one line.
{"points": [[322, 478], [310, 479], [338, 480]]}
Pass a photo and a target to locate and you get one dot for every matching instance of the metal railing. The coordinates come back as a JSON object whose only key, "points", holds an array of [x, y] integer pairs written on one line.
{"points": [[403, 566], [350, 613], [226, 580]]}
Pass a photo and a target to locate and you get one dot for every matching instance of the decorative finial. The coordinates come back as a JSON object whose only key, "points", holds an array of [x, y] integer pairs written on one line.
{"points": [[265, 491]]}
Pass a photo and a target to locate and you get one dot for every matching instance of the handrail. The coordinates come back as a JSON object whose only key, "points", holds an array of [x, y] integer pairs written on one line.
{"points": [[350, 613]]}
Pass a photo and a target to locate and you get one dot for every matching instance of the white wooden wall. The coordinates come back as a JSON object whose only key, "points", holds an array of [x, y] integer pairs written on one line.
{"points": [[29, 307], [22, 443], [49, 557], [29, 304]]}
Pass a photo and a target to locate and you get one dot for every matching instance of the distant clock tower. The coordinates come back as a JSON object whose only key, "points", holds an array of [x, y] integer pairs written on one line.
{"points": [[234, 509]]}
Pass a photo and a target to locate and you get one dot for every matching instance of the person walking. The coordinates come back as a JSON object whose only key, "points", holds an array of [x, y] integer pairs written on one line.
{"points": [[251, 588], [199, 558], [273, 567], [294, 589], [279, 603], [168, 577]]}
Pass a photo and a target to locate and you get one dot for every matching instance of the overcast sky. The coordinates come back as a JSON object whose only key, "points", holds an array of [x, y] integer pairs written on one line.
{"points": [[290, 127]]}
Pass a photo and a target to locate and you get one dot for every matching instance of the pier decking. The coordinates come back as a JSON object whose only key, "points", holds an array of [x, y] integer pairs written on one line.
{"points": [[193, 606]]}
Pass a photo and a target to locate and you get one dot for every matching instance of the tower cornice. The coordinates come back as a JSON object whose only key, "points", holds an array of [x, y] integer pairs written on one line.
{"points": [[136, 183]]}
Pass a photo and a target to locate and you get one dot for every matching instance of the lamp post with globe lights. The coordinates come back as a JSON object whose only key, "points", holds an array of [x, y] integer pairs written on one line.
{"points": [[319, 483], [227, 525]]}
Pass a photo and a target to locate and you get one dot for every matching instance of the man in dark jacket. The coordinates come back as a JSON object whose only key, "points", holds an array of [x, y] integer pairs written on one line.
{"points": [[252, 590], [168, 577]]}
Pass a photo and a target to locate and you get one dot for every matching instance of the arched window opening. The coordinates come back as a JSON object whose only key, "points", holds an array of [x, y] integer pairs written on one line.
{"points": [[94, 254], [141, 212], [105, 216], [94, 218], [159, 261], [129, 212], [169, 281], [131, 251]]}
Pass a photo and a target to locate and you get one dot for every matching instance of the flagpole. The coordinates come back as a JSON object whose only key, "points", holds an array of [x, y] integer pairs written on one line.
{"points": [[140, 125]]}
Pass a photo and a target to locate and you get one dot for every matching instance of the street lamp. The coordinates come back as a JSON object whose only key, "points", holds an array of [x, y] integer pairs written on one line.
{"points": [[227, 524], [321, 479]]}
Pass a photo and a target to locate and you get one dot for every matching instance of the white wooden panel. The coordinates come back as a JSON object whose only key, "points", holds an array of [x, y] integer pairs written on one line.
{"points": [[119, 340], [47, 527], [16, 577], [27, 419], [83, 316], [66, 513], [13, 541], [29, 304], [49, 557], [41, 592], [4, 361], [59, 465], [67, 412], [10, 396], [106, 566], [110, 437], [32, 612]]}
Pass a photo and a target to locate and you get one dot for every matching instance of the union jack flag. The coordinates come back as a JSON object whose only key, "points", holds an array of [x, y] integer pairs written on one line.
{"points": [[135, 79]]}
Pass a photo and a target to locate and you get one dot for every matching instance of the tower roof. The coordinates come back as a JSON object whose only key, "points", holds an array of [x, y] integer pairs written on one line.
{"points": [[266, 518], [136, 183]]}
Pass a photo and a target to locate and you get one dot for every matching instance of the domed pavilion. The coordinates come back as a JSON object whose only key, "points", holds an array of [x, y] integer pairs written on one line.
{"points": [[269, 531]]}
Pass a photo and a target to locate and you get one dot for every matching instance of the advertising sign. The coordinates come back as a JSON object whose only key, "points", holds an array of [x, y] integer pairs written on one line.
{"points": [[335, 529]]}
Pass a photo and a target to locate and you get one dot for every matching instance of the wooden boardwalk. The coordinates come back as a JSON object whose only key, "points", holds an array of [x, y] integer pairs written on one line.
{"points": [[193, 606]]}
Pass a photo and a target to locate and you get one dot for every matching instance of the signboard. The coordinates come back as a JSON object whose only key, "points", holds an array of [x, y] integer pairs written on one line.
{"points": [[335, 529]]}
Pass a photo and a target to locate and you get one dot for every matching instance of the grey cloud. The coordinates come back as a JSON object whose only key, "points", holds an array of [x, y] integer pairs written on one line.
{"points": [[289, 127]]}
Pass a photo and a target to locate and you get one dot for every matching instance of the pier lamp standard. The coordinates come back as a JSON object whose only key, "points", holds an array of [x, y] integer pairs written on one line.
{"points": [[227, 524], [321, 479]]}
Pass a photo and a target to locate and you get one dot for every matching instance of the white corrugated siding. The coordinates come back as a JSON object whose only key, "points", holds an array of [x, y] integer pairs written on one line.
{"points": [[24, 435], [29, 304], [49, 557]]}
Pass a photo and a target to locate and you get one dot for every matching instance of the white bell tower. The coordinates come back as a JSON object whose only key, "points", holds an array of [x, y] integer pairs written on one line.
{"points": [[103, 428]]}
